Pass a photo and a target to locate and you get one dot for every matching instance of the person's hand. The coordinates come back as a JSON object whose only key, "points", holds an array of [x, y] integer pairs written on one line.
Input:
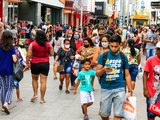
{"points": [[74, 91], [80, 58], [107, 69], [55, 62], [146, 94], [72, 57], [26, 67], [129, 94]]}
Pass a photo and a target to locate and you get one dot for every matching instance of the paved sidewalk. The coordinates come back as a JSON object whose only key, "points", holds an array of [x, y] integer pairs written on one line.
{"points": [[60, 106]]}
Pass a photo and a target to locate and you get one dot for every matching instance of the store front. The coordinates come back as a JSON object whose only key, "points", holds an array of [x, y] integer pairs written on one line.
{"points": [[38, 11]]}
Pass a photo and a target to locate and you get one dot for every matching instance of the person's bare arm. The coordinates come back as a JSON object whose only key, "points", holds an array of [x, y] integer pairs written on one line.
{"points": [[128, 83], [145, 90], [76, 86]]}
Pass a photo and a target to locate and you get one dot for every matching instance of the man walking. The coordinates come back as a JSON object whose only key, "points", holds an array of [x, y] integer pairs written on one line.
{"points": [[113, 71], [151, 84]]}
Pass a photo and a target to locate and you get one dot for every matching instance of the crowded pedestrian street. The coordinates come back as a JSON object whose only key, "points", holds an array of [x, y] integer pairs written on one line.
{"points": [[60, 106], [79, 59]]}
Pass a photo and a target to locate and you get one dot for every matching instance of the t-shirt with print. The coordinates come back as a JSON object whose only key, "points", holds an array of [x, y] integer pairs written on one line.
{"points": [[114, 79], [86, 80], [151, 36], [152, 66], [131, 59]]}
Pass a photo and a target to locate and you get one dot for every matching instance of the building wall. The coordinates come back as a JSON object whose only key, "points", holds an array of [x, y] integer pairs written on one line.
{"points": [[27, 11], [56, 3]]}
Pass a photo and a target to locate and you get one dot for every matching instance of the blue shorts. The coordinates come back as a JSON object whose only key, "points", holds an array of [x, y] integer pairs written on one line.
{"points": [[150, 114], [16, 84], [67, 68], [115, 96], [133, 70]]}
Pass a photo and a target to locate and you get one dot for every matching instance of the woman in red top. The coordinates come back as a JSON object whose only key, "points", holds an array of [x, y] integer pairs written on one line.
{"points": [[39, 51]]}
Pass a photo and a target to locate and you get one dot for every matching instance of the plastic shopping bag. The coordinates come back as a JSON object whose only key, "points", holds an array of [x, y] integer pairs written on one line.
{"points": [[155, 104], [130, 109]]}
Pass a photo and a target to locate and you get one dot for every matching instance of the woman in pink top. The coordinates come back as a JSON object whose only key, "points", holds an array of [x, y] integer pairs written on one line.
{"points": [[39, 51]]}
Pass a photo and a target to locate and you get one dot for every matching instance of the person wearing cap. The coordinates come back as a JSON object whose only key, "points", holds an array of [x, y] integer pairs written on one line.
{"points": [[151, 82]]}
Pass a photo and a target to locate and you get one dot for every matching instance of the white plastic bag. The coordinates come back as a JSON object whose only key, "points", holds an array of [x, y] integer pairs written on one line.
{"points": [[130, 109]]}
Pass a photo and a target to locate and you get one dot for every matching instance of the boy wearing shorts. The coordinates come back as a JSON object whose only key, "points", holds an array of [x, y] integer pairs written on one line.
{"points": [[85, 77]]}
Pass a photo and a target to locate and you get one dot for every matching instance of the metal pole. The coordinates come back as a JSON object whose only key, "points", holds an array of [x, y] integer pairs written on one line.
{"points": [[81, 15], [128, 13], [121, 13], [13, 14]]}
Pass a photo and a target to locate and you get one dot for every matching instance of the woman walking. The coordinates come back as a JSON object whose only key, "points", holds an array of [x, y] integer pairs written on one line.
{"points": [[7, 58], [39, 51], [65, 55], [134, 59]]}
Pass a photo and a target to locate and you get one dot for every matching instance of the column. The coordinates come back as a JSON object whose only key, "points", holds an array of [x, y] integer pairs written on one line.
{"points": [[121, 13], [38, 13]]}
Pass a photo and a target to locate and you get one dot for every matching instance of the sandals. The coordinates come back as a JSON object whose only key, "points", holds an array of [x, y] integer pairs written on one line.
{"points": [[33, 99], [67, 91], [6, 110], [42, 102], [60, 87]]}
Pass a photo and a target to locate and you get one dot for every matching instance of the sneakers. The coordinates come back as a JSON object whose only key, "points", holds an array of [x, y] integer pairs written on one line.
{"points": [[86, 117]]}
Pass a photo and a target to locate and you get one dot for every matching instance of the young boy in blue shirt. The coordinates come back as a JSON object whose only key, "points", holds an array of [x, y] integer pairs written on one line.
{"points": [[85, 79]]}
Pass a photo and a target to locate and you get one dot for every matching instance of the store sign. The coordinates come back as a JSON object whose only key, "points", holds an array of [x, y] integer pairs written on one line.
{"points": [[99, 8], [155, 4]]}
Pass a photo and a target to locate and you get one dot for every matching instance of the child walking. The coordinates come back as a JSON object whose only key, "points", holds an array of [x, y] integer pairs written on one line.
{"points": [[85, 77]]}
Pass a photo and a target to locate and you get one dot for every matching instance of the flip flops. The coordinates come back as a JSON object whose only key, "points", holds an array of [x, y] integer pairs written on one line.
{"points": [[6, 110], [33, 99]]}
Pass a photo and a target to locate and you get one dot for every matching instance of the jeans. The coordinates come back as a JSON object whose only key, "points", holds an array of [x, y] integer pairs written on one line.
{"points": [[150, 52]]}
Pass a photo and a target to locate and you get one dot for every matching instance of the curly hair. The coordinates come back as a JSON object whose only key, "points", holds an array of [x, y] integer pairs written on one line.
{"points": [[6, 41]]}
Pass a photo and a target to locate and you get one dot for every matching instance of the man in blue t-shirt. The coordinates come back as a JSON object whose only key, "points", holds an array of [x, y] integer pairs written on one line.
{"points": [[112, 80]]}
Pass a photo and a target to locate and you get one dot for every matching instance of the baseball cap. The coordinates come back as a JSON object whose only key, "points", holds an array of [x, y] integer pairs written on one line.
{"points": [[158, 45]]}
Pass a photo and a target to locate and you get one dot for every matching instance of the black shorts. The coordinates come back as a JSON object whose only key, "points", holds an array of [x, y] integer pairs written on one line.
{"points": [[40, 68]]}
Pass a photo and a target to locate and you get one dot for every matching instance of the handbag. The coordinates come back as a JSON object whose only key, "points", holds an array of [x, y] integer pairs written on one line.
{"points": [[61, 67], [18, 71]]}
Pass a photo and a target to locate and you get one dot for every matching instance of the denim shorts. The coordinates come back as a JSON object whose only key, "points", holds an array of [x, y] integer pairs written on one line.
{"points": [[150, 114], [133, 70], [150, 52], [67, 68], [115, 96]]}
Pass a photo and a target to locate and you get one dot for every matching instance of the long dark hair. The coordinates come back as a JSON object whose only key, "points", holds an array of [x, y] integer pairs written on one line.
{"points": [[41, 38], [58, 34], [131, 45], [85, 32], [73, 45], [6, 42], [90, 41]]}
